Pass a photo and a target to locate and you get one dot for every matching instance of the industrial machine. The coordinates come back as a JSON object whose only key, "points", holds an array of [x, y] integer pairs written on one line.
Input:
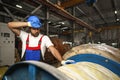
{"points": [[7, 45]]}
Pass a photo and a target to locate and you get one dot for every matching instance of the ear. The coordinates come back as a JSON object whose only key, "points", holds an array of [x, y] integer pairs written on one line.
{"points": [[28, 30]]}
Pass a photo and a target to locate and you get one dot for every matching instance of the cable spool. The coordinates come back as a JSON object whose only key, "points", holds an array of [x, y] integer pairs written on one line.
{"points": [[99, 49], [97, 59], [88, 71], [33, 70], [93, 62]]}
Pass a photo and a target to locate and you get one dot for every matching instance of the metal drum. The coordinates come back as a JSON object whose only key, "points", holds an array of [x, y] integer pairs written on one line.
{"points": [[32, 70]]}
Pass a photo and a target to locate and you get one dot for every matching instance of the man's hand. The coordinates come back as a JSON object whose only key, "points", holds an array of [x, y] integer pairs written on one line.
{"points": [[64, 62]]}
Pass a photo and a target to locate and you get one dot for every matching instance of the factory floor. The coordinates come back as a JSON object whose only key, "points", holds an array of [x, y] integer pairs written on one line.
{"points": [[2, 71]]}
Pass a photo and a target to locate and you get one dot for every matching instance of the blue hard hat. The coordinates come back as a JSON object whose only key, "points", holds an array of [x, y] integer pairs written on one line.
{"points": [[35, 21]]}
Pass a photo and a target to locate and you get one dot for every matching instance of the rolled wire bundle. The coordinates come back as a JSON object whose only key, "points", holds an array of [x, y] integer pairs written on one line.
{"points": [[88, 71], [102, 50]]}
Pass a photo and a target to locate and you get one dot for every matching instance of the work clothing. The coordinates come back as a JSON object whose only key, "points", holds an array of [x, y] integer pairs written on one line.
{"points": [[33, 42], [33, 53]]}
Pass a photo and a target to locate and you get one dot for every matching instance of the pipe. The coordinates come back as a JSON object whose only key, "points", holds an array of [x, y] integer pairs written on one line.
{"points": [[64, 13], [90, 19], [6, 5], [108, 28], [7, 10], [33, 11], [99, 12], [70, 3]]}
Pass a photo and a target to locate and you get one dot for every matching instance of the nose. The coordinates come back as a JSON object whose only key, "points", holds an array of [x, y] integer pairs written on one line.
{"points": [[36, 30]]}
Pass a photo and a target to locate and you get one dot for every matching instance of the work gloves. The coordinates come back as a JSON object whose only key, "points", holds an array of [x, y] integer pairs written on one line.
{"points": [[64, 62], [34, 21]]}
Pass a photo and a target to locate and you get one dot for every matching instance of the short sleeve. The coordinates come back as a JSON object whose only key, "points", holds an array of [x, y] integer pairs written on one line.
{"points": [[47, 41], [23, 35]]}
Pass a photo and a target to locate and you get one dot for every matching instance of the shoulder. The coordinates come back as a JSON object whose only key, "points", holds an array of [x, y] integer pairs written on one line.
{"points": [[46, 41], [45, 37], [23, 34]]}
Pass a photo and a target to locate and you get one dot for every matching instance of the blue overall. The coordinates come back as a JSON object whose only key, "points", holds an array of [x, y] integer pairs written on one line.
{"points": [[33, 53]]}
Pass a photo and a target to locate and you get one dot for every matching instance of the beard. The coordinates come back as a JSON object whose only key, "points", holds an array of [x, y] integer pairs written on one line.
{"points": [[35, 34]]}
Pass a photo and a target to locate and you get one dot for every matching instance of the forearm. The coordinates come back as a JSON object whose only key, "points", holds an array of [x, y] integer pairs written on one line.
{"points": [[56, 53], [17, 24]]}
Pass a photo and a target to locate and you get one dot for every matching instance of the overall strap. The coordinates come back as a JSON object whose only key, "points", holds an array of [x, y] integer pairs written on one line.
{"points": [[34, 48], [40, 40], [27, 41]]}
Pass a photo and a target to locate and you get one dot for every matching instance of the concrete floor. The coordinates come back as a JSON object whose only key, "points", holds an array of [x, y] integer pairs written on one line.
{"points": [[2, 71]]}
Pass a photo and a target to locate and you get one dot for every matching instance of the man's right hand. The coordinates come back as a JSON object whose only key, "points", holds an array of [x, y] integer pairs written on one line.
{"points": [[64, 62]]}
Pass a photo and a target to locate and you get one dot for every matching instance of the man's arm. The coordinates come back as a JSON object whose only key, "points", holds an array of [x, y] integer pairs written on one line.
{"points": [[56, 53], [15, 26], [59, 57]]}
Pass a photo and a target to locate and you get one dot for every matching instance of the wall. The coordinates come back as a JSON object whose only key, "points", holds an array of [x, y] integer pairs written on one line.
{"points": [[108, 37]]}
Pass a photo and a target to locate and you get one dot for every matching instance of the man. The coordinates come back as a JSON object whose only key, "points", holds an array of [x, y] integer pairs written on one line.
{"points": [[34, 43]]}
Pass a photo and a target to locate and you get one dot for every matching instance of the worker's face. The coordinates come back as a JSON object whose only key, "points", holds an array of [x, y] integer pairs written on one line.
{"points": [[35, 31]]}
